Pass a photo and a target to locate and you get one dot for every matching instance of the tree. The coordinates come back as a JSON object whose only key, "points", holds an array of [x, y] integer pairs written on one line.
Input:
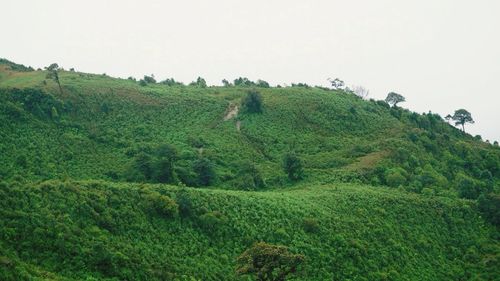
{"points": [[142, 168], [394, 98], [149, 79], [204, 170], [448, 118], [262, 84], [243, 81], [268, 262], [461, 117], [360, 91], [292, 165], [200, 82], [226, 83], [489, 205], [253, 102], [336, 83], [171, 82], [164, 165], [250, 176], [53, 73]]}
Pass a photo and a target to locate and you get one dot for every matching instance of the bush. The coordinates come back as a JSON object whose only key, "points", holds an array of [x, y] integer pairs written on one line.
{"points": [[268, 262], [310, 225], [292, 165], [468, 187], [163, 204], [149, 79], [250, 177], [205, 172], [212, 221], [395, 177], [489, 205], [252, 102], [184, 202]]}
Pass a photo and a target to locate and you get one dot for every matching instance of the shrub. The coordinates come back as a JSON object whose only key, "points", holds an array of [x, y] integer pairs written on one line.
{"points": [[212, 221], [184, 202], [292, 165], [468, 187], [249, 176], [252, 102], [205, 172], [149, 79], [489, 205], [268, 262], [310, 225], [395, 177], [163, 204]]}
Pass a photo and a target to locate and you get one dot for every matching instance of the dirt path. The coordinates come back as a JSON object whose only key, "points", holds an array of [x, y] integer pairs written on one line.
{"points": [[232, 112]]}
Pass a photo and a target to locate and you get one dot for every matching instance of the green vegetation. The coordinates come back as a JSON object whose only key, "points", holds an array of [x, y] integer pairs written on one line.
{"points": [[117, 179], [394, 98], [268, 262], [461, 117], [91, 229], [253, 102]]}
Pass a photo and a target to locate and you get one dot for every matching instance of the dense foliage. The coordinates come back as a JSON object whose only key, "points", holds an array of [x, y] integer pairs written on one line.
{"points": [[97, 230], [68, 147]]}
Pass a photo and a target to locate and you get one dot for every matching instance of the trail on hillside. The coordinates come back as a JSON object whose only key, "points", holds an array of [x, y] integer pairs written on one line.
{"points": [[232, 112]]}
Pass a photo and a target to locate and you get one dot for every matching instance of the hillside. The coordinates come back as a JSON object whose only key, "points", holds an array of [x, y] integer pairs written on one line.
{"points": [[386, 194]]}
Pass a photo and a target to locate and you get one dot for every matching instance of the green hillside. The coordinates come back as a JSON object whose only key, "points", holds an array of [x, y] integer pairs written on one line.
{"points": [[115, 179]]}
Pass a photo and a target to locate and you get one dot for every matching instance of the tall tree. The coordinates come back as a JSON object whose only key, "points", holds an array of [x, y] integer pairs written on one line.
{"points": [[461, 117], [268, 262], [53, 73], [394, 98]]}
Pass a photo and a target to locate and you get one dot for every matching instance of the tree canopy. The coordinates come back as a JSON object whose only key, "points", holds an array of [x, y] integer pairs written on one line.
{"points": [[461, 117], [253, 102], [394, 98], [268, 262]]}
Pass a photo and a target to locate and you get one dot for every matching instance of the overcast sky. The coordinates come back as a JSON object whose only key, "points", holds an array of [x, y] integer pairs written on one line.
{"points": [[441, 55]]}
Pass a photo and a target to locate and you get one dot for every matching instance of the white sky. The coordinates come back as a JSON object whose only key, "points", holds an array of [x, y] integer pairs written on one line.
{"points": [[440, 54]]}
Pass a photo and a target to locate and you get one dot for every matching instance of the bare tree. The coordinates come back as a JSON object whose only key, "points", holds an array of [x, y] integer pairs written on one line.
{"points": [[360, 91]]}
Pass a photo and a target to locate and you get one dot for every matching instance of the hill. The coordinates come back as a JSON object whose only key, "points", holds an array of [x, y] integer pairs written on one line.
{"points": [[387, 194]]}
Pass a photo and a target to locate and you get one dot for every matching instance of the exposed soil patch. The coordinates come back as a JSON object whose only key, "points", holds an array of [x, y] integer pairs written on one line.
{"points": [[232, 112]]}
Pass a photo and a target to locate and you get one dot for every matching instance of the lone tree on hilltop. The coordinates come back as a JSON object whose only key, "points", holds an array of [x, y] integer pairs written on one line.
{"points": [[53, 73], [394, 98], [461, 117], [253, 102], [268, 262], [336, 83]]}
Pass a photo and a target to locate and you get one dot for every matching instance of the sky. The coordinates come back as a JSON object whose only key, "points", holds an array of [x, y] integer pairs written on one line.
{"points": [[442, 55]]}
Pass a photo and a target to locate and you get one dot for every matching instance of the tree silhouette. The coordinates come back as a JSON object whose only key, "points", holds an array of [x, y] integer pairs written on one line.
{"points": [[394, 98], [461, 117]]}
